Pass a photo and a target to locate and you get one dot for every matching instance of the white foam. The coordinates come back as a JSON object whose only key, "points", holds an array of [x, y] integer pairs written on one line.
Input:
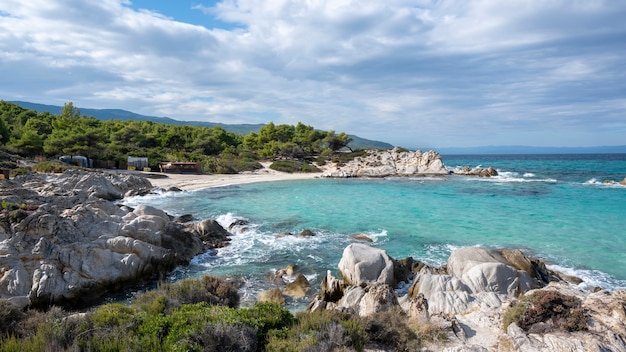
{"points": [[595, 182], [591, 278], [529, 174]]}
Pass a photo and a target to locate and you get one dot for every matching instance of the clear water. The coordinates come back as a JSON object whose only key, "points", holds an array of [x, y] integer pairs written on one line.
{"points": [[551, 206]]}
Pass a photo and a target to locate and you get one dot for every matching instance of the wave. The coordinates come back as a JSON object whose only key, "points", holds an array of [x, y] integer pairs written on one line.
{"points": [[590, 278]]}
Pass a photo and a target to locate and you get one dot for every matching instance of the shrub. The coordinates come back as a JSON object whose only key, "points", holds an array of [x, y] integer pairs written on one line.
{"points": [[52, 167], [292, 166], [21, 171], [325, 330], [558, 311], [10, 316], [392, 329]]}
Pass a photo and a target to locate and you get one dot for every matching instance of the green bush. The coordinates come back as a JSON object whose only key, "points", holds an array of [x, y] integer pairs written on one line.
{"points": [[21, 171], [52, 167], [292, 166], [391, 328], [319, 331], [209, 289]]}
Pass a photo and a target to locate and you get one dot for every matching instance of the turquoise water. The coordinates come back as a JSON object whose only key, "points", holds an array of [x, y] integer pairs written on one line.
{"points": [[552, 207]]}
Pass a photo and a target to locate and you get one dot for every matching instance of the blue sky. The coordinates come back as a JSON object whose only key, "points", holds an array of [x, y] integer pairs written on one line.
{"points": [[413, 73]]}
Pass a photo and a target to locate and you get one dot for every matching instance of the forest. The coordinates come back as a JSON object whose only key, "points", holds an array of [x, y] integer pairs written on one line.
{"points": [[44, 136]]}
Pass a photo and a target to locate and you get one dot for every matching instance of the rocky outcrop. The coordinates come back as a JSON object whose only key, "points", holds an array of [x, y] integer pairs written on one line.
{"points": [[472, 296], [476, 171], [71, 244], [394, 162], [612, 182]]}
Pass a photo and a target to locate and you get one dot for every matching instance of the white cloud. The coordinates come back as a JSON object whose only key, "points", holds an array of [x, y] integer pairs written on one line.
{"points": [[411, 72]]}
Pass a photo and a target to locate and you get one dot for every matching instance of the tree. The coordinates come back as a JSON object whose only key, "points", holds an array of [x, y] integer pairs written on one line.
{"points": [[335, 142]]}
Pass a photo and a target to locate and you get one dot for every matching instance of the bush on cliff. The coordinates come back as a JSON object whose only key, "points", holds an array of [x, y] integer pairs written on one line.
{"points": [[547, 310], [291, 166]]}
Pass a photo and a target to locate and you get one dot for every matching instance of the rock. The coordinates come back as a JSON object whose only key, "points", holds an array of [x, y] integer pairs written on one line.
{"points": [[484, 270], [469, 297], [536, 268], [307, 233], [361, 264], [331, 289], [184, 218], [299, 288], [210, 232], [477, 171], [273, 296], [362, 237], [283, 234], [378, 298], [394, 162], [239, 226], [74, 244]]}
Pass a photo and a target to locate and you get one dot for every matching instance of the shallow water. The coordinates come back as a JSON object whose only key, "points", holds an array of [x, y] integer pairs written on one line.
{"points": [[552, 207]]}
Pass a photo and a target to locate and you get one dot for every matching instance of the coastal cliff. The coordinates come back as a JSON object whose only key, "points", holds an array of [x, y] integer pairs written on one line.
{"points": [[63, 240], [483, 300]]}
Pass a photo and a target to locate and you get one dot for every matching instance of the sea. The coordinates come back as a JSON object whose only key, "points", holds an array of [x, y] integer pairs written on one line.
{"points": [[553, 207]]}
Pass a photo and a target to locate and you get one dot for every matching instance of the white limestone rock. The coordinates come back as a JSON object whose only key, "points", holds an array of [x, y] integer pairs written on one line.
{"points": [[361, 264]]}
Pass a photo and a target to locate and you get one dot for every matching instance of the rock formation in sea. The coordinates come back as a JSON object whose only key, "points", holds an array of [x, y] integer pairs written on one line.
{"points": [[394, 162], [484, 300], [64, 241]]}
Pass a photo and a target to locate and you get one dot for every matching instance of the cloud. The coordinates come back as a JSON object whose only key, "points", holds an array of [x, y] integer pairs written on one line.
{"points": [[411, 72]]}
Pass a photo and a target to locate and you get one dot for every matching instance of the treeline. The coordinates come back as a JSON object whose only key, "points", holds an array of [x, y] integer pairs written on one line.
{"points": [[30, 134]]}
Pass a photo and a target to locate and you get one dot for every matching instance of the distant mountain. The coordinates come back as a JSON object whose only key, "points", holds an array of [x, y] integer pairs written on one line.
{"points": [[244, 129], [518, 149]]}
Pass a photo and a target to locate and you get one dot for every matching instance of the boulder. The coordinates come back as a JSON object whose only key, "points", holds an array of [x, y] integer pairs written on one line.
{"points": [[273, 296], [362, 264], [362, 237], [307, 233], [298, 288], [486, 270]]}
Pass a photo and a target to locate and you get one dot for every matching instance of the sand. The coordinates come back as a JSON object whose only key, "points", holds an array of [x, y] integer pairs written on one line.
{"points": [[190, 182]]}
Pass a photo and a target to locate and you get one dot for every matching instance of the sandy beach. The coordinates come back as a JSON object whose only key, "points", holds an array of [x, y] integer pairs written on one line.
{"points": [[189, 182]]}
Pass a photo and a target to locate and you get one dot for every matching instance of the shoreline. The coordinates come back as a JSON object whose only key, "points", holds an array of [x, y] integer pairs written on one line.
{"points": [[193, 182]]}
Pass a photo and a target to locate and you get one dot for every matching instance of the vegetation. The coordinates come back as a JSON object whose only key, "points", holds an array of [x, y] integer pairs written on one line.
{"points": [[201, 315], [109, 142], [556, 310]]}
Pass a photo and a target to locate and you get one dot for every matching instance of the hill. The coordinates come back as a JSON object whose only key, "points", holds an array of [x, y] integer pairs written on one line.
{"points": [[244, 129]]}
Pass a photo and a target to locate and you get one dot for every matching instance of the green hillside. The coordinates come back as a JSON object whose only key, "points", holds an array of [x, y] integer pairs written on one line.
{"points": [[243, 129]]}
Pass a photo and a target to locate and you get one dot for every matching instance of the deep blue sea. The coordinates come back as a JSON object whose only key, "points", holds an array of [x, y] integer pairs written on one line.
{"points": [[554, 207]]}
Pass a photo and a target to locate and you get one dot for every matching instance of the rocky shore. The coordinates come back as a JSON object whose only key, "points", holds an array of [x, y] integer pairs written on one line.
{"points": [[64, 240], [398, 162], [483, 299]]}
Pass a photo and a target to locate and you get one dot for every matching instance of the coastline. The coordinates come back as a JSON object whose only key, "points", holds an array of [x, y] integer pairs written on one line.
{"points": [[192, 182]]}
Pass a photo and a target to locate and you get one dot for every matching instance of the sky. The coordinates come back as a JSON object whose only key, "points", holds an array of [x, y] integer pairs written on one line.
{"points": [[413, 73]]}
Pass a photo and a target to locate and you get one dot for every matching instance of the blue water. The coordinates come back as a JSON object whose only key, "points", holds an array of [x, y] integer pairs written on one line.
{"points": [[551, 206]]}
